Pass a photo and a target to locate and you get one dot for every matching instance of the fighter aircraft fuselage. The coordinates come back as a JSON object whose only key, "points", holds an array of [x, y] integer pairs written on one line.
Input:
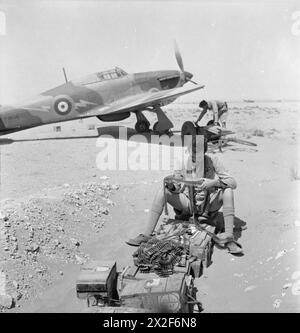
{"points": [[99, 92]]}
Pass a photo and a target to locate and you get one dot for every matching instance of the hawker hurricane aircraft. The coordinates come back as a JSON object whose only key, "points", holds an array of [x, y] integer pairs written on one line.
{"points": [[110, 95]]}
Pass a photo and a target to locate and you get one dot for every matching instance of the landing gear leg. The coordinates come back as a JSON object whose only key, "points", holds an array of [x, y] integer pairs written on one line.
{"points": [[220, 145], [164, 124], [142, 124]]}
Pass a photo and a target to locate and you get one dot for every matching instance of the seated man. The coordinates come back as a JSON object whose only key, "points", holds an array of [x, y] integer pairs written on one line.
{"points": [[218, 184], [219, 111]]}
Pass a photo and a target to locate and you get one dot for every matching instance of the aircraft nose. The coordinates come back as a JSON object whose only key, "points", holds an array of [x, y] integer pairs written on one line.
{"points": [[188, 75]]}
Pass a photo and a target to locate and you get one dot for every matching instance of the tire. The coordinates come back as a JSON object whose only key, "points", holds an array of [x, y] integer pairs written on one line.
{"points": [[142, 126], [155, 127], [155, 130]]}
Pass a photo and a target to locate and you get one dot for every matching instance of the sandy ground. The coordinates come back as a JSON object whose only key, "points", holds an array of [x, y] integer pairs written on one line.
{"points": [[41, 167]]}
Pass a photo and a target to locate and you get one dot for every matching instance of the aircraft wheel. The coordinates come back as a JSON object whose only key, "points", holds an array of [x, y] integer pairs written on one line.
{"points": [[155, 127], [142, 126], [155, 130]]}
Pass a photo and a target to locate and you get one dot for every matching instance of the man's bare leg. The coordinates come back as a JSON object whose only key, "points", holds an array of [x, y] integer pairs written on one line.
{"points": [[181, 203], [155, 212], [178, 201]]}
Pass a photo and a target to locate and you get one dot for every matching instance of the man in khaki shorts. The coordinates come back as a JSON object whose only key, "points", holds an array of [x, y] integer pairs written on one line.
{"points": [[219, 111], [217, 182]]}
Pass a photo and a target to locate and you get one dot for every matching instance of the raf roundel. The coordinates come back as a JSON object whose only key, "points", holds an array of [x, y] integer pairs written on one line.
{"points": [[63, 105]]}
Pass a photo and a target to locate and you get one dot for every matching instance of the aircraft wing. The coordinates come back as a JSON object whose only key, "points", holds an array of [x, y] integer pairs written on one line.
{"points": [[142, 101]]}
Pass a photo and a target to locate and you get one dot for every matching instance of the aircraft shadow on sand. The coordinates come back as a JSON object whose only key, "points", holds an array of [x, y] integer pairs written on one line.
{"points": [[113, 131], [133, 135]]}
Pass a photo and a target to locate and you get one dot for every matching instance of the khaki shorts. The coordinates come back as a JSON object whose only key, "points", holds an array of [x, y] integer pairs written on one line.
{"points": [[181, 201]]}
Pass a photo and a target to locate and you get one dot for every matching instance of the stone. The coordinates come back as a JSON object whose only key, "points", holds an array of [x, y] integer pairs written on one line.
{"points": [[6, 301], [17, 295], [15, 284], [276, 303], [79, 259], [286, 286], [104, 210], [33, 248], [250, 288], [75, 241]]}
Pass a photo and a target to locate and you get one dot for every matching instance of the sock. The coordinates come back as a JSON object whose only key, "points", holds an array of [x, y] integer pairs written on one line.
{"points": [[228, 213]]}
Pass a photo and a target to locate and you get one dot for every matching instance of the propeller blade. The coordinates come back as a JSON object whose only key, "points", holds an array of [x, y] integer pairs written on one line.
{"points": [[178, 56], [187, 76]]}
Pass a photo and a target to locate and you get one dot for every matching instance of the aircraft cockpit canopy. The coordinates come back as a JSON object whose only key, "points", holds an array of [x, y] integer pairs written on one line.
{"points": [[101, 76]]}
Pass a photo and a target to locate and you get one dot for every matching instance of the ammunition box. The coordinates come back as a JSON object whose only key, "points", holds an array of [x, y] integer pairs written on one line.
{"points": [[97, 278]]}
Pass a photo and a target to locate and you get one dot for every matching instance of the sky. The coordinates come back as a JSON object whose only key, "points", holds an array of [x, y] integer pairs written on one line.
{"points": [[237, 49]]}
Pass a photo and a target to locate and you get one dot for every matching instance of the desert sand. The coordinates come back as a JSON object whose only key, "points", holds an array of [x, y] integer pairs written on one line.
{"points": [[59, 210]]}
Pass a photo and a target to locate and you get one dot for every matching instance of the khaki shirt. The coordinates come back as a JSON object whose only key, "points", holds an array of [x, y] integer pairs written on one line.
{"points": [[213, 169]]}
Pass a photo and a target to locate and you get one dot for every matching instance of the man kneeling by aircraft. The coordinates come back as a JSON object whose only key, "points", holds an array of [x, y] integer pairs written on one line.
{"points": [[218, 185]]}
